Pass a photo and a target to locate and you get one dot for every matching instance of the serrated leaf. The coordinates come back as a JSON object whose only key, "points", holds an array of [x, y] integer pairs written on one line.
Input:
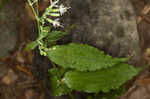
{"points": [[101, 80], [81, 57], [54, 36], [58, 88], [32, 45]]}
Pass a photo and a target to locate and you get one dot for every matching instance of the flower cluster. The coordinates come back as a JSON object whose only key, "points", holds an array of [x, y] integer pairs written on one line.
{"points": [[54, 10]]}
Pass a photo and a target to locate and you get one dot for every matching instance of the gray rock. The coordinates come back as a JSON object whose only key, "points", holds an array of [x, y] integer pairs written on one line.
{"points": [[109, 25], [8, 30]]}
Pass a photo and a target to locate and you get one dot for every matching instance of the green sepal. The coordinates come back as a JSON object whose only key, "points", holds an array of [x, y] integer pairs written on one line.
{"points": [[81, 57], [101, 80], [54, 14]]}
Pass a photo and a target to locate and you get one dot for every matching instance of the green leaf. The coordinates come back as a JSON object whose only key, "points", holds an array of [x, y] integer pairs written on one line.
{"points": [[32, 45], [81, 57], [55, 36], [42, 35], [101, 80], [46, 28], [44, 32], [58, 87]]}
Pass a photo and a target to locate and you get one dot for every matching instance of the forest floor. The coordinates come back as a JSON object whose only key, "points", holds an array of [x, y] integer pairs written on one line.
{"points": [[16, 77]]}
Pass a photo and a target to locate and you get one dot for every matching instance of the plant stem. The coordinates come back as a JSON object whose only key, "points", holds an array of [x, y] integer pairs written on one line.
{"points": [[36, 16]]}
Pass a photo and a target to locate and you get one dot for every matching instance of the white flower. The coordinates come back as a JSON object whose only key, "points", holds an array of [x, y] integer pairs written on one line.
{"points": [[54, 4], [63, 9], [56, 23]]}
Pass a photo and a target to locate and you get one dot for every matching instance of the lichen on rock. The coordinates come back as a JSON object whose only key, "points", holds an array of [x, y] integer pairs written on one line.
{"points": [[106, 24]]}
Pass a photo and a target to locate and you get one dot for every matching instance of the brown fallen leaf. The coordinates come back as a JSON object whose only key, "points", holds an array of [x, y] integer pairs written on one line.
{"points": [[4, 59], [143, 82], [23, 69]]}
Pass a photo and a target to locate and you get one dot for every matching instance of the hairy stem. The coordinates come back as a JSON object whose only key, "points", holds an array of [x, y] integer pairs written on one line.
{"points": [[36, 13]]}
